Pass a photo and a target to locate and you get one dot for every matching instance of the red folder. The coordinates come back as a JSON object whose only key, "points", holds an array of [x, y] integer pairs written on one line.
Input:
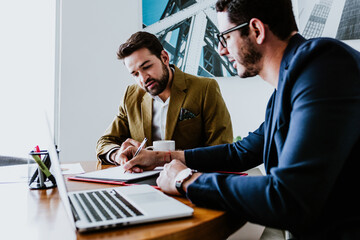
{"points": [[237, 173], [104, 181]]}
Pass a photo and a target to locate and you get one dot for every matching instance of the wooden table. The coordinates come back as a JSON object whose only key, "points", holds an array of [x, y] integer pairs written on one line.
{"points": [[39, 214]]}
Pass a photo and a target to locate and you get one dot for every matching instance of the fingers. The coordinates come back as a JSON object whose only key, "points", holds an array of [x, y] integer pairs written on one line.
{"points": [[126, 152], [125, 155], [160, 179], [167, 166], [166, 179], [130, 142], [137, 169], [131, 165], [122, 158], [117, 157]]}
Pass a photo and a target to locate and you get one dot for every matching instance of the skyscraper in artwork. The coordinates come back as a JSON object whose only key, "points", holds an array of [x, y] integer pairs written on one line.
{"points": [[316, 23], [349, 27]]}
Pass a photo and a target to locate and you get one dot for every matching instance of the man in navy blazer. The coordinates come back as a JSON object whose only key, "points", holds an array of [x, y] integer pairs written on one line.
{"points": [[309, 141]]}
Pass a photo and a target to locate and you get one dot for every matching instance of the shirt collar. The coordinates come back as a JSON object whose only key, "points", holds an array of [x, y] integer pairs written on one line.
{"points": [[158, 99]]}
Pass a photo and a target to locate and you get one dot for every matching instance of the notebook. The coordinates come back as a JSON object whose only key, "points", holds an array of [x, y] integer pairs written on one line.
{"points": [[118, 174], [92, 210]]}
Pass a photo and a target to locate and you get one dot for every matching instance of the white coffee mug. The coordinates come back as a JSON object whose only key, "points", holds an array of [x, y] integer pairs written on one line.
{"points": [[162, 145]]}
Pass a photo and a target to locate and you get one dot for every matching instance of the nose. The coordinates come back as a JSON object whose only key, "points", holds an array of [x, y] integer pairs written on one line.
{"points": [[143, 77], [221, 50]]}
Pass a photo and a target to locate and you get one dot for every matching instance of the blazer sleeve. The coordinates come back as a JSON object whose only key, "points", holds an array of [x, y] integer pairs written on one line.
{"points": [[217, 121], [115, 134], [317, 150], [238, 156]]}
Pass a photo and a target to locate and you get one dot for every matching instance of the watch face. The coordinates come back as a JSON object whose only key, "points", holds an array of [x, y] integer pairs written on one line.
{"points": [[183, 174]]}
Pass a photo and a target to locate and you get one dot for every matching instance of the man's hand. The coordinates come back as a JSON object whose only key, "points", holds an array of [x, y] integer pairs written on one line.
{"points": [[166, 180], [148, 160], [145, 160], [115, 156]]}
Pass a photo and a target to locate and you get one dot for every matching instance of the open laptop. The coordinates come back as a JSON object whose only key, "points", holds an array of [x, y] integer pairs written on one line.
{"points": [[91, 210]]}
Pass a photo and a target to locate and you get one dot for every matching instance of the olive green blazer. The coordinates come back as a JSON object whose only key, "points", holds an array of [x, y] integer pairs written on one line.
{"points": [[197, 116]]}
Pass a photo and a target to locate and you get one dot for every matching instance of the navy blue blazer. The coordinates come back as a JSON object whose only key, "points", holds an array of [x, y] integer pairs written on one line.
{"points": [[309, 144]]}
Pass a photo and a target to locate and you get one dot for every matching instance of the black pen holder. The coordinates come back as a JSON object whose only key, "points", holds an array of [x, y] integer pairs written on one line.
{"points": [[37, 178]]}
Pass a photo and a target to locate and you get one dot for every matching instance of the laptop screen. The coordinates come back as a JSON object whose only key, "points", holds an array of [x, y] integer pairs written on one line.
{"points": [[56, 171]]}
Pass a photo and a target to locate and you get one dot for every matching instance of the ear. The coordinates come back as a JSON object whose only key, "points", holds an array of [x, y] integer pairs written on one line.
{"points": [[165, 57], [257, 28]]}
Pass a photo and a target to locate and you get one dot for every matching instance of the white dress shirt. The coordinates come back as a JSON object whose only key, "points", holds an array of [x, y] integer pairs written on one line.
{"points": [[159, 112], [160, 109]]}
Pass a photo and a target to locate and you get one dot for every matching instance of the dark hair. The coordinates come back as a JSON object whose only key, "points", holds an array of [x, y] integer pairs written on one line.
{"points": [[140, 40], [277, 14]]}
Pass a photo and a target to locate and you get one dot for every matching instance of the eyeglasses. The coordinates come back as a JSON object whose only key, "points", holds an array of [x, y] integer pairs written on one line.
{"points": [[221, 38]]}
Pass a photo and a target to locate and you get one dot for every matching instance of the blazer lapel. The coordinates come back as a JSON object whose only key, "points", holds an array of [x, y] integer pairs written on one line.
{"points": [[177, 96], [274, 117], [269, 130], [146, 117]]}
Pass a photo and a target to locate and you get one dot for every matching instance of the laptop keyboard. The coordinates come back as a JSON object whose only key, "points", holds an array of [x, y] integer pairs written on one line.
{"points": [[103, 205]]}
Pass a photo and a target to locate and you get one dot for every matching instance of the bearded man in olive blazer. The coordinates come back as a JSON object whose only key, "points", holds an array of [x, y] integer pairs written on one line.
{"points": [[165, 104]]}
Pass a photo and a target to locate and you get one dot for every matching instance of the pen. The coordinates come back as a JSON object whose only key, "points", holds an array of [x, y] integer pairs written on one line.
{"points": [[141, 146], [139, 149], [36, 150]]}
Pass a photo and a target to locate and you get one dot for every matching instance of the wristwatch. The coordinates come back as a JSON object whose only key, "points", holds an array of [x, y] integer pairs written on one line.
{"points": [[181, 177]]}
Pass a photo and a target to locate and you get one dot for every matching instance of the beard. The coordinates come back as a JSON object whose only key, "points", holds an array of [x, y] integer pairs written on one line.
{"points": [[250, 57], [160, 84]]}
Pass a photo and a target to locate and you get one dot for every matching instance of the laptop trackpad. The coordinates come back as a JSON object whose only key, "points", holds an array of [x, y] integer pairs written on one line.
{"points": [[141, 198]]}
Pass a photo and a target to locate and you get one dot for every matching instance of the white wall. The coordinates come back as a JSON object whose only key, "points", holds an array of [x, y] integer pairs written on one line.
{"points": [[27, 62], [246, 100], [92, 79]]}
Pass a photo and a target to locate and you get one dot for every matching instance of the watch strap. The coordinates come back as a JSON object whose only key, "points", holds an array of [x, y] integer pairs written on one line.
{"points": [[179, 187], [179, 184]]}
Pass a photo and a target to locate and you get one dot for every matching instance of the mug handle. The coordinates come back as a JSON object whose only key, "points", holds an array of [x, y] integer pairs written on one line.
{"points": [[149, 148]]}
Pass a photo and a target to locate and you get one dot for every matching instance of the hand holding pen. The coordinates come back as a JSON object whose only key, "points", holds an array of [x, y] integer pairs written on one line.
{"points": [[139, 149], [115, 154]]}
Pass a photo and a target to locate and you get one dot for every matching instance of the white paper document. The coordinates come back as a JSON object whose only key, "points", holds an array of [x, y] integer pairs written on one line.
{"points": [[14, 173], [71, 168], [117, 174]]}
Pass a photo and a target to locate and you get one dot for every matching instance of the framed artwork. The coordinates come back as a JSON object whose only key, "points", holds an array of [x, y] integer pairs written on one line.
{"points": [[187, 29]]}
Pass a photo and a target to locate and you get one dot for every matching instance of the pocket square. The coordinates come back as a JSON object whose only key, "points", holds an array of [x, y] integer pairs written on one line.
{"points": [[185, 114]]}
